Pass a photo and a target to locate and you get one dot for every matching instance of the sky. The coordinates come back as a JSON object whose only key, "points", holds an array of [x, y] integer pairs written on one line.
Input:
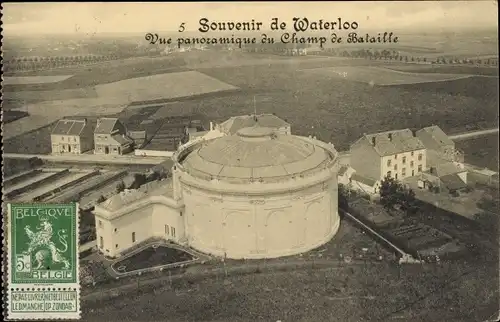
{"points": [[100, 17]]}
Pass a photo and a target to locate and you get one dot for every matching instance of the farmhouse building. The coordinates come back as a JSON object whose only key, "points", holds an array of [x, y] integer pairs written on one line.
{"points": [[236, 123], [450, 176], [110, 137], [71, 136], [440, 148], [398, 154], [255, 194]]}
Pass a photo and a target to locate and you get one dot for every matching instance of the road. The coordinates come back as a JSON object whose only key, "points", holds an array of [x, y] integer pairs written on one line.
{"points": [[91, 158], [468, 135]]}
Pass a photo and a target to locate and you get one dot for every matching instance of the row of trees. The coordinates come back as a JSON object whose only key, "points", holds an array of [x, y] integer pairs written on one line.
{"points": [[454, 60], [38, 63], [393, 55]]}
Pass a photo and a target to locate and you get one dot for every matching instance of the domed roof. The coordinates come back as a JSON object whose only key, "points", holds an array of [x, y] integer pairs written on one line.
{"points": [[255, 153]]}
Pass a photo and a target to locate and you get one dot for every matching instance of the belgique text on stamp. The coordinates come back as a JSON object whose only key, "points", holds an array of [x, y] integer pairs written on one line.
{"points": [[42, 252]]}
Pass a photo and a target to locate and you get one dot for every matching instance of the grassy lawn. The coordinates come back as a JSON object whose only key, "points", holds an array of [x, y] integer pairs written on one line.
{"points": [[151, 257]]}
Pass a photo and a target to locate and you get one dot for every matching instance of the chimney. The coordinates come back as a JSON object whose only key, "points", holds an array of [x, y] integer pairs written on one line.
{"points": [[85, 121], [414, 132], [390, 136], [211, 126], [373, 140]]}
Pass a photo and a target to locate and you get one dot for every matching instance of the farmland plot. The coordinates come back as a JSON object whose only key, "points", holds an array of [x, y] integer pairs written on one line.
{"points": [[164, 86], [382, 76], [23, 80]]}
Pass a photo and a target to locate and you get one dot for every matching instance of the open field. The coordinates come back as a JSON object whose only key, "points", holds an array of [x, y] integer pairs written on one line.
{"points": [[333, 109], [444, 69], [114, 71], [13, 80], [481, 151], [164, 86], [345, 293], [12, 115], [382, 76], [106, 99]]}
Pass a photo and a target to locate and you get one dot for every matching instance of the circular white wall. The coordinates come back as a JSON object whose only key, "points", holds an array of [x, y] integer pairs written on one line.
{"points": [[261, 226]]}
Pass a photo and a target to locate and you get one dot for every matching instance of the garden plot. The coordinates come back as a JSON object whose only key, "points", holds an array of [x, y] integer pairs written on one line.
{"points": [[163, 86], [152, 256], [382, 76], [72, 176], [33, 179]]}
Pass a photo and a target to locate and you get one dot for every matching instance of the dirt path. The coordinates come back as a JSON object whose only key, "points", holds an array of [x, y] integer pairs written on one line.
{"points": [[468, 135]]}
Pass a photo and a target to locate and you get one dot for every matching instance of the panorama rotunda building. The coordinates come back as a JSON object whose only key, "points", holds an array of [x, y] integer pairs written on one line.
{"points": [[254, 194]]}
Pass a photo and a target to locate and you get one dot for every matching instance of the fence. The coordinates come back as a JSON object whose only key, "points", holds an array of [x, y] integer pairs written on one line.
{"points": [[64, 186], [37, 184], [22, 177], [398, 247]]}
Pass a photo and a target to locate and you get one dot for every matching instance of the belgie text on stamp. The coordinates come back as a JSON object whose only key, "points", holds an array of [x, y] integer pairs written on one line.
{"points": [[42, 251]]}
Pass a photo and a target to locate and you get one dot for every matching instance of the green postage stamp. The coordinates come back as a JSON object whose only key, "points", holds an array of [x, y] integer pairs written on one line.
{"points": [[42, 249]]}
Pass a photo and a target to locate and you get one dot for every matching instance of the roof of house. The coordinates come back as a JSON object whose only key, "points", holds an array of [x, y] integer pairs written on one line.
{"points": [[121, 139], [236, 123], [127, 197], [105, 125], [453, 182], [69, 127], [437, 135], [137, 134], [447, 168], [364, 180], [394, 142], [198, 134], [122, 199], [256, 153]]}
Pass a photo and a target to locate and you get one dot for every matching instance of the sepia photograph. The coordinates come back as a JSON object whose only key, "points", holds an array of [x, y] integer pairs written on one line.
{"points": [[250, 161]]}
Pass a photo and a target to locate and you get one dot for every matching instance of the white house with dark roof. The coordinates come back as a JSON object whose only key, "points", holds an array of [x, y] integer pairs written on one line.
{"points": [[71, 136], [440, 148], [236, 123], [398, 154], [110, 137]]}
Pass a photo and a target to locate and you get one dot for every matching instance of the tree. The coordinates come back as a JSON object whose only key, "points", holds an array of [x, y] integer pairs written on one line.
{"points": [[139, 180], [343, 197], [393, 193], [408, 201], [120, 187], [390, 193], [101, 199]]}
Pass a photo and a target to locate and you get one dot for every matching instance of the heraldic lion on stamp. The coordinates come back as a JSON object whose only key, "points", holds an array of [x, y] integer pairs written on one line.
{"points": [[43, 262]]}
